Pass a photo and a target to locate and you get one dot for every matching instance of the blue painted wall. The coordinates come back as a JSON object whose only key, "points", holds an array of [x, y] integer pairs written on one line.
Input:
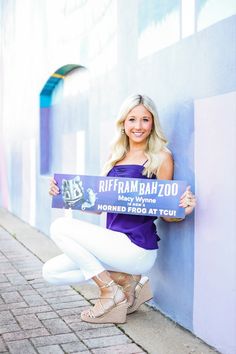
{"points": [[197, 69]]}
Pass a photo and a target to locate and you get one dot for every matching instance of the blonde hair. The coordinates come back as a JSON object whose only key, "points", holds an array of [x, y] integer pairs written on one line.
{"points": [[156, 141]]}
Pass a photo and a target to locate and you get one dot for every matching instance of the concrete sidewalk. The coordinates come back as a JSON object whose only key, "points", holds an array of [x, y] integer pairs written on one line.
{"points": [[36, 317]]}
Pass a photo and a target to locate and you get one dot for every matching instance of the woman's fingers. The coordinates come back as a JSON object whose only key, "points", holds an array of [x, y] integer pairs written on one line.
{"points": [[188, 202], [189, 209], [53, 188], [187, 199], [187, 191]]}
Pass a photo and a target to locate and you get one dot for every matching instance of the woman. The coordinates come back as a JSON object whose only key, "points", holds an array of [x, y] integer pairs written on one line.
{"points": [[116, 256]]}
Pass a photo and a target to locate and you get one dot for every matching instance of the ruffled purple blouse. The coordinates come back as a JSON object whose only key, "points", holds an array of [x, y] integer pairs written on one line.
{"points": [[140, 229]]}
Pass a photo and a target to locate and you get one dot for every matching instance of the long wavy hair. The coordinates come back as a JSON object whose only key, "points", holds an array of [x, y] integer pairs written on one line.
{"points": [[156, 141]]}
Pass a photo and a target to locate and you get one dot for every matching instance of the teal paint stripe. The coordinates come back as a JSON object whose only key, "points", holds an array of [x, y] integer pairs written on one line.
{"points": [[45, 101]]}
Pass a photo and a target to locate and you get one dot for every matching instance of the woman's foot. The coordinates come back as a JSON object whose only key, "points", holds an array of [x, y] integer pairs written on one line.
{"points": [[128, 283], [136, 288], [142, 294], [111, 307]]}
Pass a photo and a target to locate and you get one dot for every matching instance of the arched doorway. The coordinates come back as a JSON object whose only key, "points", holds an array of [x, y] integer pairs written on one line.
{"points": [[64, 121]]}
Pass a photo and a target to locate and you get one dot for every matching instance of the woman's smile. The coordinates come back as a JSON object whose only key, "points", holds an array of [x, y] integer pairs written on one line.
{"points": [[138, 134]]}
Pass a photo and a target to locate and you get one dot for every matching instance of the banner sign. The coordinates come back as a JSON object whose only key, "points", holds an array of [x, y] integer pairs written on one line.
{"points": [[136, 196]]}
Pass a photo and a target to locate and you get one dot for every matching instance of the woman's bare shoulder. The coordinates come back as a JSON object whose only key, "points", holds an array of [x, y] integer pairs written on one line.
{"points": [[166, 168], [166, 155]]}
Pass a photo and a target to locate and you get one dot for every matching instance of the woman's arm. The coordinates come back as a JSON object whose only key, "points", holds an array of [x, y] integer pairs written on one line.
{"points": [[166, 171]]}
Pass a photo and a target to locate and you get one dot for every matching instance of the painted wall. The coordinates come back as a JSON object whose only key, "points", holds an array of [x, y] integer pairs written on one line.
{"points": [[182, 54], [215, 246]]}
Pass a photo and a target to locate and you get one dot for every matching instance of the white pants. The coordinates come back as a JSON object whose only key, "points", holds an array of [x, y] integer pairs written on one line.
{"points": [[90, 249]]}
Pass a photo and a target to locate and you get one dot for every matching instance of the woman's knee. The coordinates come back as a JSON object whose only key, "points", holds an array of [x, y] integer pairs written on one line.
{"points": [[58, 226], [51, 271]]}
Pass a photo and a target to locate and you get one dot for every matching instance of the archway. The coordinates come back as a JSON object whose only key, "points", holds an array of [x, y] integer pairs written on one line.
{"points": [[63, 120]]}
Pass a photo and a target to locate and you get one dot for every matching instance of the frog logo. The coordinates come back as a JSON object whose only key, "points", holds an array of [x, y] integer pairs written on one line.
{"points": [[74, 195]]}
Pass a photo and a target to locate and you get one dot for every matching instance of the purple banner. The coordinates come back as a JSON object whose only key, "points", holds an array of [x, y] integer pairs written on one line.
{"points": [[120, 195]]}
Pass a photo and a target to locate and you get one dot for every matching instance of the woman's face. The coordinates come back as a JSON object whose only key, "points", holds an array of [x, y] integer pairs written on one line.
{"points": [[138, 124]]}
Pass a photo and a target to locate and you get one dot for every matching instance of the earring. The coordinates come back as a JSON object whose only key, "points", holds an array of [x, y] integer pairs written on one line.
{"points": [[122, 131]]}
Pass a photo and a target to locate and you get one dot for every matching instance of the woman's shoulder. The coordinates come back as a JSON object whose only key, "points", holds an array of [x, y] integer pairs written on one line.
{"points": [[166, 155], [166, 167]]}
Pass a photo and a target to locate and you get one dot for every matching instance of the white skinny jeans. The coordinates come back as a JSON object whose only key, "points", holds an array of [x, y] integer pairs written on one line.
{"points": [[89, 250]]}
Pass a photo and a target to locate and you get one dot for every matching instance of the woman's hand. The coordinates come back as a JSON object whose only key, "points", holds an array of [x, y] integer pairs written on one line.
{"points": [[53, 188], [188, 201]]}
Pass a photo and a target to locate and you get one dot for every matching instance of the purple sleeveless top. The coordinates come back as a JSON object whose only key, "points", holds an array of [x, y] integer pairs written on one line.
{"points": [[140, 229]]}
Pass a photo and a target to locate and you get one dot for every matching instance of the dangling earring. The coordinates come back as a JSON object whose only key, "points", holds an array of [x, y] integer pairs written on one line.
{"points": [[122, 131]]}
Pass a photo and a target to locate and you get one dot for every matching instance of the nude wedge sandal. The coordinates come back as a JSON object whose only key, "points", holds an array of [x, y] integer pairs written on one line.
{"points": [[113, 314], [142, 294]]}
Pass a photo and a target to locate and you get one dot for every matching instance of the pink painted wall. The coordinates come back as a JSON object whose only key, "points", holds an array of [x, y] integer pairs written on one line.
{"points": [[214, 314]]}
